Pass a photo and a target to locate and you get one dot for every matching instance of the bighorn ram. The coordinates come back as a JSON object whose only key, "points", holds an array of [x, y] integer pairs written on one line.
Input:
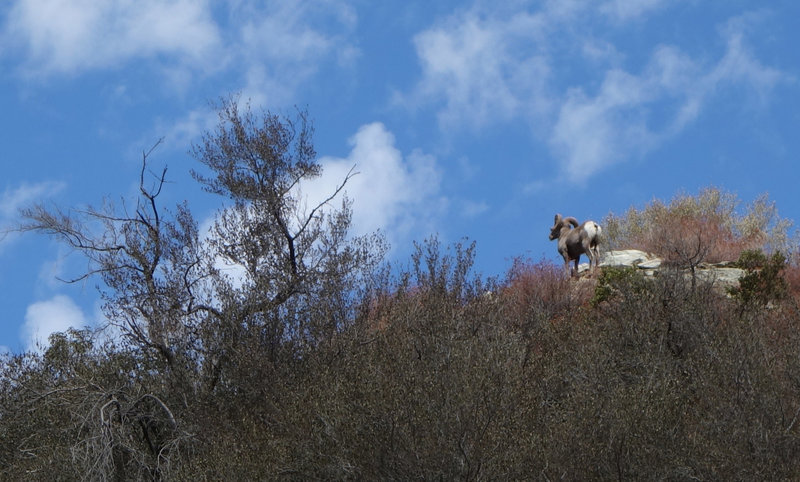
{"points": [[572, 243]]}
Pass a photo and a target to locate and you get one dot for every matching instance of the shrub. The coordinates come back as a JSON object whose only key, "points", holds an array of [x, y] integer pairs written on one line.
{"points": [[763, 282], [614, 280], [536, 292], [751, 259], [706, 227]]}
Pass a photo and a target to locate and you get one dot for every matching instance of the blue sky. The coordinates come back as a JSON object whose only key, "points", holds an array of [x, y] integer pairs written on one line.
{"points": [[466, 119]]}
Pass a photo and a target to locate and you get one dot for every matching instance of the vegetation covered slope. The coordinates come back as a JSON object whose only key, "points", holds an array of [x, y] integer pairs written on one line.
{"points": [[317, 361]]}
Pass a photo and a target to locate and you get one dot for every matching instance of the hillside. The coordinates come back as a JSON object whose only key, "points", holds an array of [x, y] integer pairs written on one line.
{"points": [[437, 378], [316, 359]]}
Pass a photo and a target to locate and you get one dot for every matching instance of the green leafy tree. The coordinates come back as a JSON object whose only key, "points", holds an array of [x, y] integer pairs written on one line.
{"points": [[763, 282]]}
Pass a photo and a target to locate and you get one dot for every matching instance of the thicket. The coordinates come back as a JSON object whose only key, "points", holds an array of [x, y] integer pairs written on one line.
{"points": [[710, 226], [318, 362]]}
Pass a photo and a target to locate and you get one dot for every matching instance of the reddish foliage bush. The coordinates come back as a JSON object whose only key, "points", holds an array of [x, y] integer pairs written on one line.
{"points": [[691, 238], [711, 226], [542, 291]]}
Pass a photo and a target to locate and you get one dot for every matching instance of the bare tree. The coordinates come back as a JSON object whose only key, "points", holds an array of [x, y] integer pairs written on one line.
{"points": [[161, 285], [148, 259]]}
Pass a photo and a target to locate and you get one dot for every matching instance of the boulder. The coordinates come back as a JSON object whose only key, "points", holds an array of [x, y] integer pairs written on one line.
{"points": [[627, 257], [723, 274], [630, 257]]}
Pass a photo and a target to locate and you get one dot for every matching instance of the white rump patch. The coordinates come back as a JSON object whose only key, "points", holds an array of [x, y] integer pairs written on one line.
{"points": [[592, 229]]}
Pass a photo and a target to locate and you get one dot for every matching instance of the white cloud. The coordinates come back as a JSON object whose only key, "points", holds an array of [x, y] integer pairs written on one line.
{"points": [[397, 194], [594, 132], [283, 34], [483, 67], [601, 51], [12, 200], [624, 10], [471, 209], [281, 45], [69, 36], [186, 131], [739, 66], [475, 66], [46, 317], [269, 48]]}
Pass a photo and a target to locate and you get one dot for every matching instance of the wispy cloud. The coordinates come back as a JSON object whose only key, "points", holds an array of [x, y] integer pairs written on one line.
{"points": [[471, 209], [187, 130], [268, 48], [624, 10], [471, 65], [59, 36], [280, 45], [483, 66], [740, 66], [13, 199], [592, 132]]}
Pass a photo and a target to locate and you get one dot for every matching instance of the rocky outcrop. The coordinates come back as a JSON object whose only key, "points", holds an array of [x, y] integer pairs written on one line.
{"points": [[631, 257], [723, 274]]}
